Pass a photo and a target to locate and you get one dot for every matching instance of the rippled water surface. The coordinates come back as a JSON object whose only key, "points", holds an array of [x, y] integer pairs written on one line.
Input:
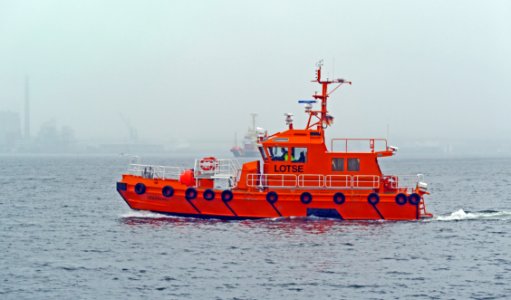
{"points": [[66, 234]]}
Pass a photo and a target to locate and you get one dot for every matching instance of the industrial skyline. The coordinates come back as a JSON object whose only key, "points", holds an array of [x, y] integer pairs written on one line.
{"points": [[27, 108], [189, 74], [52, 138]]}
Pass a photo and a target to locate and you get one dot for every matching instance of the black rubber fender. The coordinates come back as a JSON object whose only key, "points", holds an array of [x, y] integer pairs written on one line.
{"points": [[227, 195], [208, 194], [190, 193], [414, 199], [373, 198], [140, 188], [306, 198], [401, 199], [167, 191], [272, 197], [339, 198]]}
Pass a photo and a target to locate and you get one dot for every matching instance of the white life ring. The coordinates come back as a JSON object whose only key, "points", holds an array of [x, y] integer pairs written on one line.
{"points": [[208, 164]]}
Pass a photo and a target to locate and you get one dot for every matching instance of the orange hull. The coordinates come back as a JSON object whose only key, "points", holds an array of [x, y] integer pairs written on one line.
{"points": [[254, 204]]}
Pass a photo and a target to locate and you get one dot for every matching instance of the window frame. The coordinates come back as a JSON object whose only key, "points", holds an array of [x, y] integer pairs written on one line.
{"points": [[263, 153], [357, 165], [341, 165], [297, 161], [272, 157]]}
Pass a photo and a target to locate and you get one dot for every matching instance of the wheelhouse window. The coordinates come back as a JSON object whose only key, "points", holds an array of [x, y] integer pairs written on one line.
{"points": [[263, 154], [299, 155], [278, 153], [353, 164], [337, 164]]}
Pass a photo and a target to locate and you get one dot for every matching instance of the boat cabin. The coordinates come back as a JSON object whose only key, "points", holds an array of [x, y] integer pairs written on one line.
{"points": [[300, 157], [304, 152]]}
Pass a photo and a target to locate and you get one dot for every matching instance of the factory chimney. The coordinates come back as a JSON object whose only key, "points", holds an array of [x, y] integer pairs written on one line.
{"points": [[27, 108]]}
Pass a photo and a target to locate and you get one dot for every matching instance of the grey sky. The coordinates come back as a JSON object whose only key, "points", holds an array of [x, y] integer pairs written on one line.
{"points": [[196, 69]]}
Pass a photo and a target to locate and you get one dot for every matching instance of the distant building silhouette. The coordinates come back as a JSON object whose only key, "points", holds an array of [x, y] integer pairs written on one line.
{"points": [[10, 131], [51, 138], [27, 109]]}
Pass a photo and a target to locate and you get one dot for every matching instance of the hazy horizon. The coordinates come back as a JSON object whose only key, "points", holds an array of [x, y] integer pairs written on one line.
{"points": [[183, 71]]}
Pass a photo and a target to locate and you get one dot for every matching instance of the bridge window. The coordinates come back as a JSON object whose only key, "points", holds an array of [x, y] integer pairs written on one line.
{"points": [[353, 164], [299, 155], [337, 164], [278, 153], [263, 154]]}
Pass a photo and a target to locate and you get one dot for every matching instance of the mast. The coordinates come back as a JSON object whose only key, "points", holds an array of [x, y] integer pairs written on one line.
{"points": [[324, 119]]}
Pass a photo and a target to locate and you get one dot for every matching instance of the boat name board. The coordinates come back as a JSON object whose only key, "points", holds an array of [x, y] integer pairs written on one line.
{"points": [[288, 168]]}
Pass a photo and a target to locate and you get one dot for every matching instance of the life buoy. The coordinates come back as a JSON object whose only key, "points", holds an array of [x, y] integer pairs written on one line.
{"points": [[339, 198], [400, 199], [272, 197], [306, 198], [209, 194], [208, 164], [227, 196], [373, 198], [414, 199], [167, 191], [140, 188], [190, 193]]}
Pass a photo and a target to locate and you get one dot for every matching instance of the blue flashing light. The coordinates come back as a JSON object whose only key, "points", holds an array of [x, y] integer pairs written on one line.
{"points": [[306, 101]]}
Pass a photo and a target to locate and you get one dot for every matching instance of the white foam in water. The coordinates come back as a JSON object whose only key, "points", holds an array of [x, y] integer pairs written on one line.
{"points": [[458, 215], [143, 214], [462, 215]]}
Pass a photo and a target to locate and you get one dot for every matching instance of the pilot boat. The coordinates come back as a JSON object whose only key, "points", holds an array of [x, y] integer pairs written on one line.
{"points": [[297, 175]]}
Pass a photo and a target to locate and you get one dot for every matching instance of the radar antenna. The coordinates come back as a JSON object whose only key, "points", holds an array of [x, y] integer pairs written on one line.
{"points": [[323, 118]]}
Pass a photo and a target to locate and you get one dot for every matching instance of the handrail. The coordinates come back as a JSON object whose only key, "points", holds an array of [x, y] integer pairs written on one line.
{"points": [[331, 181], [155, 171], [372, 143], [366, 181], [311, 180], [407, 182], [272, 180], [337, 181], [221, 167]]}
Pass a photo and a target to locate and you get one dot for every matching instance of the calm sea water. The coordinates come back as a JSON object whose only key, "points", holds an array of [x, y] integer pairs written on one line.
{"points": [[66, 234]]}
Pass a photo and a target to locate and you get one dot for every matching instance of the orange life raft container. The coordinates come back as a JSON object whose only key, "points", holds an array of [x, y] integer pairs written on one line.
{"points": [[297, 175]]}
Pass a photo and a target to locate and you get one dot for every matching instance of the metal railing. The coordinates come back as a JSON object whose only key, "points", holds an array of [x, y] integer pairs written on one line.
{"points": [[371, 146], [408, 182], [333, 181], [311, 180], [272, 180], [154, 171], [337, 181], [365, 181], [218, 168]]}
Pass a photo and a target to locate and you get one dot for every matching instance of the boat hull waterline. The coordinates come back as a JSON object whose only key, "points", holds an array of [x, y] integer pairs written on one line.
{"points": [[250, 205]]}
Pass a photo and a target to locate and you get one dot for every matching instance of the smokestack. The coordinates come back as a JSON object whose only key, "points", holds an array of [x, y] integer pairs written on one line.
{"points": [[27, 108]]}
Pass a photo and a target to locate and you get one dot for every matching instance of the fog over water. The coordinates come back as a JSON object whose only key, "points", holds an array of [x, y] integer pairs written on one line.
{"points": [[173, 81], [191, 72]]}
